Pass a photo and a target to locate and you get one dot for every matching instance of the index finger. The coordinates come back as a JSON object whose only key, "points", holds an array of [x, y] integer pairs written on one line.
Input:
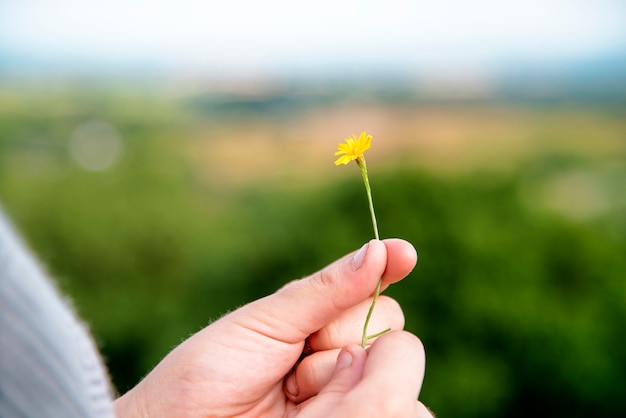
{"points": [[402, 260]]}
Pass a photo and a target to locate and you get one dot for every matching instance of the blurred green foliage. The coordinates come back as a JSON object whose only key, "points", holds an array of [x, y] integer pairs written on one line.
{"points": [[519, 295]]}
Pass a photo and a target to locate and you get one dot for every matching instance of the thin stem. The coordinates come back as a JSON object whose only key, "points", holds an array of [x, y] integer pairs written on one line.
{"points": [[363, 167], [361, 162], [379, 333], [364, 337]]}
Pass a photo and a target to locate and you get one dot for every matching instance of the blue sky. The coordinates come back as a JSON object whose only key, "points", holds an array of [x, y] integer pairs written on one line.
{"points": [[245, 37]]}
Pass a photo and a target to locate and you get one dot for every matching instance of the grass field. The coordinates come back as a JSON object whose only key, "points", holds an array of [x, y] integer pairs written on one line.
{"points": [[193, 202]]}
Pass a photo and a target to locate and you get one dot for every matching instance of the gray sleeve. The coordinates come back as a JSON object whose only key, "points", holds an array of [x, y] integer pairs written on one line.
{"points": [[49, 366]]}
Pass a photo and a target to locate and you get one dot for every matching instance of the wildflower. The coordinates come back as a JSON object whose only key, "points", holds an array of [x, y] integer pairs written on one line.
{"points": [[353, 148]]}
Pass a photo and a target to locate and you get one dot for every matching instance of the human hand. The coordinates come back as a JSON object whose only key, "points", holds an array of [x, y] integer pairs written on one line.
{"points": [[243, 364]]}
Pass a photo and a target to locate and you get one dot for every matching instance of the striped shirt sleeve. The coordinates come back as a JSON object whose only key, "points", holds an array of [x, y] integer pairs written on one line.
{"points": [[49, 365]]}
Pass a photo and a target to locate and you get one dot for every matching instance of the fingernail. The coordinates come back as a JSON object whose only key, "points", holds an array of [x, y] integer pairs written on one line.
{"points": [[358, 258], [344, 360], [290, 386]]}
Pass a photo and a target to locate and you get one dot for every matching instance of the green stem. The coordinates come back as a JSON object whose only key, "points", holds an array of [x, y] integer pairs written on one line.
{"points": [[363, 167], [378, 334], [364, 336], [361, 162]]}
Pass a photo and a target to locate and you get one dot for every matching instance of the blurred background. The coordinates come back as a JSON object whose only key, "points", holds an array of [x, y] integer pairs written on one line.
{"points": [[169, 161]]}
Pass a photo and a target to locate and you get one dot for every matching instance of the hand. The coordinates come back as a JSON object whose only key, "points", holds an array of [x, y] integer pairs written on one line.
{"points": [[243, 364]]}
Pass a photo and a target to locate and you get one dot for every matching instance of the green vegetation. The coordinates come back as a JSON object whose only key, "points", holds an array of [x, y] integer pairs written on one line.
{"points": [[519, 295]]}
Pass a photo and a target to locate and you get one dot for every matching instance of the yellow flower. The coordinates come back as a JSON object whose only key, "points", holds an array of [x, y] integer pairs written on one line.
{"points": [[353, 148]]}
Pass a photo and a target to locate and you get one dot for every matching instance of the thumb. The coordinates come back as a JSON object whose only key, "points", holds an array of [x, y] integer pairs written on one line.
{"points": [[348, 371], [304, 306], [347, 374]]}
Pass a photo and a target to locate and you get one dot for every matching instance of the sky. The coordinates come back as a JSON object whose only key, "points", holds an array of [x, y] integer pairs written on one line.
{"points": [[270, 36]]}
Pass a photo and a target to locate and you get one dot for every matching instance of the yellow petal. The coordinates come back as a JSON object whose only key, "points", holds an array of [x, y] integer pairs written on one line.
{"points": [[353, 148]]}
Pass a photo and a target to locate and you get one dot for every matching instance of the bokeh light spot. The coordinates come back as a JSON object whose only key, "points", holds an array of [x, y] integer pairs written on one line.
{"points": [[95, 145]]}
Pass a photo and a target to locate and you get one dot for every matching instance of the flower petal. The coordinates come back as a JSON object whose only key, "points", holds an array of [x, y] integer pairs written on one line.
{"points": [[353, 148]]}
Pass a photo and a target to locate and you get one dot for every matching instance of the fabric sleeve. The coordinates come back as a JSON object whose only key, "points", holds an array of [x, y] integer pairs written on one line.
{"points": [[49, 365]]}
